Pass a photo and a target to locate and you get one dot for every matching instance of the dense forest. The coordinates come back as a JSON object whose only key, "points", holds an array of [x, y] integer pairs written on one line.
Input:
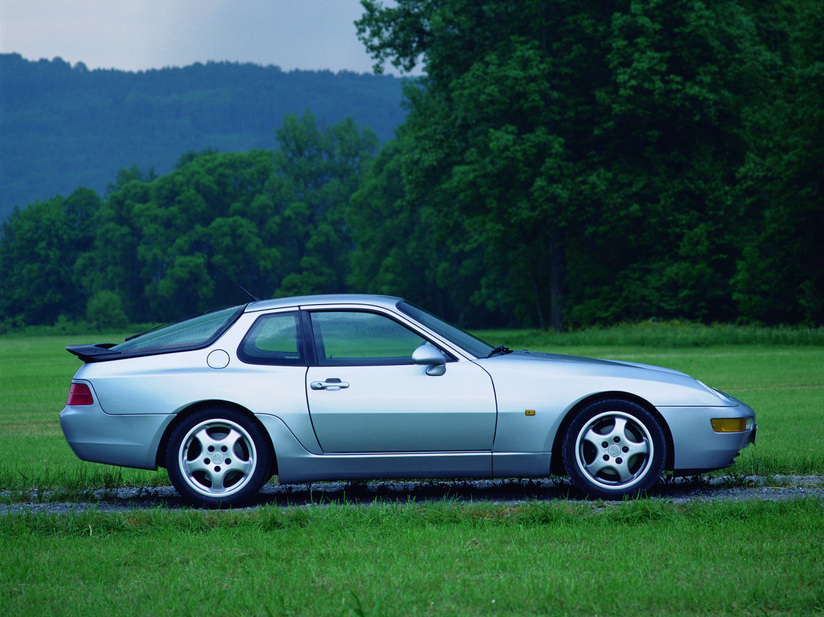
{"points": [[562, 164], [65, 126]]}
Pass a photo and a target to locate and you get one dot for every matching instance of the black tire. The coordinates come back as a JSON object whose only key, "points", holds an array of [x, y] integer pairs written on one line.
{"points": [[614, 449], [218, 458]]}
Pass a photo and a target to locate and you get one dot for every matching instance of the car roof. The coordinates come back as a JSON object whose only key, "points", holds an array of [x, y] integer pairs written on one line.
{"points": [[324, 299]]}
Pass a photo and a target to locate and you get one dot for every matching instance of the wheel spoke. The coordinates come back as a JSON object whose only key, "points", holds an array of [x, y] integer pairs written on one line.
{"points": [[194, 466], [636, 448], [225, 436], [619, 429], [203, 437], [242, 467], [597, 466], [622, 469], [592, 437], [218, 478]]}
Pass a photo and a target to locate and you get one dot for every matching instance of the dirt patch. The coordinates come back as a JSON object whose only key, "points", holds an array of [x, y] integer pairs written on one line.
{"points": [[484, 491]]}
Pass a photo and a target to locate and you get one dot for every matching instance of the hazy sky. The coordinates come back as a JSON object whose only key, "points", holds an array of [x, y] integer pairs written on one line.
{"points": [[137, 35]]}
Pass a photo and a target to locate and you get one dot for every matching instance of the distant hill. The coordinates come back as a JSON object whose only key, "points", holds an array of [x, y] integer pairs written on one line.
{"points": [[64, 126]]}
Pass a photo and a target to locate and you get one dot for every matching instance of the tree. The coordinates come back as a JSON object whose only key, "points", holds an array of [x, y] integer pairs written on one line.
{"points": [[315, 173], [478, 125], [202, 209], [110, 260], [395, 252], [272, 221], [588, 150], [105, 310], [780, 276], [39, 250]]}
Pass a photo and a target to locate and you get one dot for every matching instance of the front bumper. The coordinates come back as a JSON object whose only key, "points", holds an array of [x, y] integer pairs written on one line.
{"points": [[696, 446]]}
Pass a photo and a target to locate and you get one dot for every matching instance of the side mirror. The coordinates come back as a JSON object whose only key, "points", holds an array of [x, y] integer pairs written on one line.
{"points": [[432, 357]]}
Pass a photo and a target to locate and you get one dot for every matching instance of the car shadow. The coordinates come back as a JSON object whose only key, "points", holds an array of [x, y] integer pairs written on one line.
{"points": [[550, 489], [507, 491]]}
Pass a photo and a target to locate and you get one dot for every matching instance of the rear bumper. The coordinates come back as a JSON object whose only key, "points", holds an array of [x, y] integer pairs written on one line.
{"points": [[126, 441]]}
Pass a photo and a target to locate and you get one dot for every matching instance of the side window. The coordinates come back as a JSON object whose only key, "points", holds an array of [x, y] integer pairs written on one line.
{"points": [[357, 338], [272, 339]]}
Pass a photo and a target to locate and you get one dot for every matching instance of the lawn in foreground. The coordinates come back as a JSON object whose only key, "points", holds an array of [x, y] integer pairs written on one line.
{"points": [[644, 557], [548, 558]]}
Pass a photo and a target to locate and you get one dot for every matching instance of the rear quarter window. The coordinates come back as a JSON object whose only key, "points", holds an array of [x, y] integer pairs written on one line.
{"points": [[273, 339]]}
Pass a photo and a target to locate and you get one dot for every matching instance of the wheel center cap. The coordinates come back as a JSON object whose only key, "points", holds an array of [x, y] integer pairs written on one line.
{"points": [[614, 450], [217, 458]]}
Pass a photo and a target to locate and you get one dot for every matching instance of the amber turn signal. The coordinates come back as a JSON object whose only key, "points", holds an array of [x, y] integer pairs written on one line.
{"points": [[729, 425]]}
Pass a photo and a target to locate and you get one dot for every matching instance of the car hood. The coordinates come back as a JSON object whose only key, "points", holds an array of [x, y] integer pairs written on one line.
{"points": [[574, 377], [560, 358]]}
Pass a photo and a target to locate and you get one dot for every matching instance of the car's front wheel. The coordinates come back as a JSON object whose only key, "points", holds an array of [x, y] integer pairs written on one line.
{"points": [[218, 458], [613, 449]]}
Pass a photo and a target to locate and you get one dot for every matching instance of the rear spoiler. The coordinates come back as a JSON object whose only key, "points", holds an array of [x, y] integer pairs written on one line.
{"points": [[94, 353]]}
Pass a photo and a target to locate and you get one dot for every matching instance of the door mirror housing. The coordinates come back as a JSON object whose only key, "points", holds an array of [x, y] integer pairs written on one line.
{"points": [[432, 358]]}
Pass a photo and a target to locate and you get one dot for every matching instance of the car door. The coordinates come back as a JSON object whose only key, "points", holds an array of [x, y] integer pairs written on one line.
{"points": [[366, 395]]}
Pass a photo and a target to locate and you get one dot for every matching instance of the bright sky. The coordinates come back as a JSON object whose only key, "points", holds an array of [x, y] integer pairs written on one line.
{"points": [[137, 35]]}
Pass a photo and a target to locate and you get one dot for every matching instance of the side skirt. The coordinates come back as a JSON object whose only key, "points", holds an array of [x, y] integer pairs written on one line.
{"points": [[296, 464]]}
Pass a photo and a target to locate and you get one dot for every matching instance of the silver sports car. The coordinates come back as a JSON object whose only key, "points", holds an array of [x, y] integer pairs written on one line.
{"points": [[367, 387]]}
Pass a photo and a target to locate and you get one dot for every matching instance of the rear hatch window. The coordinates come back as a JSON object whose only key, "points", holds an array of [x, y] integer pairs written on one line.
{"points": [[194, 333]]}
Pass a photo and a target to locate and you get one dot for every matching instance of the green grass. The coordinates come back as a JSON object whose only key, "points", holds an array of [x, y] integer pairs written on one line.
{"points": [[641, 558], [647, 557], [658, 334]]}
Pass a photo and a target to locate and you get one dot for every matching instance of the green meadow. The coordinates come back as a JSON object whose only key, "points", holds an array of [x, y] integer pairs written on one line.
{"points": [[651, 557]]}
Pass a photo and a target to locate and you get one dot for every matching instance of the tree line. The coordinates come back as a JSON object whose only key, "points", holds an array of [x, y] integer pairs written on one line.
{"points": [[562, 164], [65, 126]]}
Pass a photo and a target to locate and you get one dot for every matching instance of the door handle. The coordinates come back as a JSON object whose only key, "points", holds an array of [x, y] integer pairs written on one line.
{"points": [[330, 384]]}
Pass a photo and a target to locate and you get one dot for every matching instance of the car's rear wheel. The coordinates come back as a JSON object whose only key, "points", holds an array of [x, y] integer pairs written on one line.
{"points": [[218, 458], [614, 449]]}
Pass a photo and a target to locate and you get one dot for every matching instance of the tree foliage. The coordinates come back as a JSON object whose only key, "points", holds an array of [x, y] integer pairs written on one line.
{"points": [[562, 164], [271, 220], [589, 150], [65, 126], [40, 247], [780, 276]]}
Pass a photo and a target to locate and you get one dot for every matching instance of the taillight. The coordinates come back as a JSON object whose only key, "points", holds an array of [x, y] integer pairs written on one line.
{"points": [[80, 394]]}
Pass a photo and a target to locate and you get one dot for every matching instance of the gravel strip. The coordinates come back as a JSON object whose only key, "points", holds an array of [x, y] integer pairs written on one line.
{"points": [[679, 490]]}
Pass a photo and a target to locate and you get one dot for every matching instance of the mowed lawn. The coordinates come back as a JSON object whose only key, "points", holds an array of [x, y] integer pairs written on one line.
{"points": [[545, 558]]}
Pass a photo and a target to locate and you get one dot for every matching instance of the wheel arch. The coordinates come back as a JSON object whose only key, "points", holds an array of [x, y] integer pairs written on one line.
{"points": [[556, 462], [211, 404]]}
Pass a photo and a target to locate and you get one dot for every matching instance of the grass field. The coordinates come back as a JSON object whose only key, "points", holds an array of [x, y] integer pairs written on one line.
{"points": [[545, 558], [643, 558]]}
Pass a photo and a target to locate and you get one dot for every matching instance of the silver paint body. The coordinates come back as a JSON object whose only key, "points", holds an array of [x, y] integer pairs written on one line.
{"points": [[474, 420]]}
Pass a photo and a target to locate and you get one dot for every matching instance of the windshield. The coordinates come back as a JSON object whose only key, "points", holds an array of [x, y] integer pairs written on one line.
{"points": [[192, 333], [462, 339]]}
